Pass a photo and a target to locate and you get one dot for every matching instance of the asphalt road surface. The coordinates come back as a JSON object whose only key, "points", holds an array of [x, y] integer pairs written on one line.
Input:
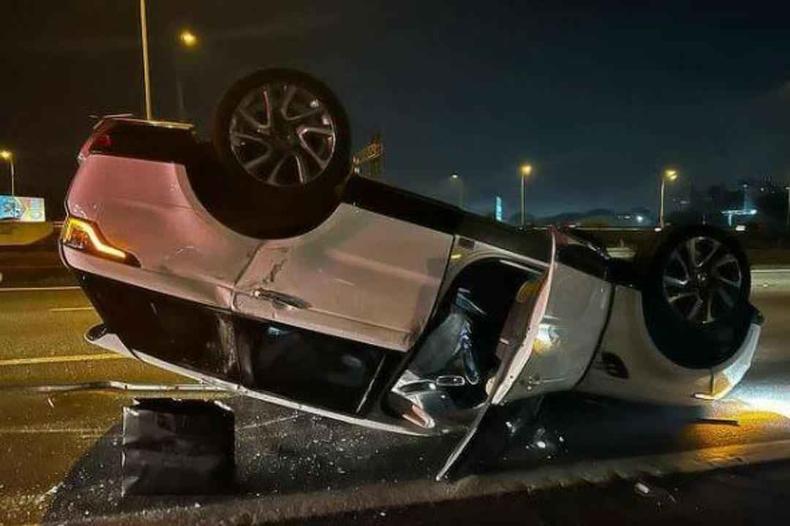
{"points": [[60, 461]]}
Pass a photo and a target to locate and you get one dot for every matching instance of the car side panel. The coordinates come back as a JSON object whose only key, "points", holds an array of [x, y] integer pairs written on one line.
{"points": [[645, 374], [359, 275], [147, 208]]}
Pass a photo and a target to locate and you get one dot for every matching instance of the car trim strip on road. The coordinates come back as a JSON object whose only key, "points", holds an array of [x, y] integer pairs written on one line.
{"points": [[37, 289], [114, 385], [62, 359]]}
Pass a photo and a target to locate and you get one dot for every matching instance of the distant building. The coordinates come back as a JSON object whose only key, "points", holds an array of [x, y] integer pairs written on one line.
{"points": [[498, 209], [635, 218], [369, 161]]}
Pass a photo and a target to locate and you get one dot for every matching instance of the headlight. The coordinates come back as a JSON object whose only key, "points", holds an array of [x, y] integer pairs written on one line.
{"points": [[84, 236]]}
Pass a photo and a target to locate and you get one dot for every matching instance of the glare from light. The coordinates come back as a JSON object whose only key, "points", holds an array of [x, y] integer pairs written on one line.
{"points": [[772, 399], [670, 175], [526, 169], [454, 176], [6, 155], [640, 219], [546, 338], [188, 38], [740, 228]]}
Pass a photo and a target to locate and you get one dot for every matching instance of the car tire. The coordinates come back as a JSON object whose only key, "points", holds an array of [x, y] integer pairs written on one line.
{"points": [[283, 140], [695, 296]]}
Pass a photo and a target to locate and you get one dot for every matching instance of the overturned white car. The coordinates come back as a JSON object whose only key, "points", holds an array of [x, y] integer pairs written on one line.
{"points": [[261, 264]]}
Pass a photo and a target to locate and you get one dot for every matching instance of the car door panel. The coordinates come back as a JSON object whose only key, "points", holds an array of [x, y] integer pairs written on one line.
{"points": [[360, 275]]}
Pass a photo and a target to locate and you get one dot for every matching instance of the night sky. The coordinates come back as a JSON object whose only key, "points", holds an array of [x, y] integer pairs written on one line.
{"points": [[598, 99]]}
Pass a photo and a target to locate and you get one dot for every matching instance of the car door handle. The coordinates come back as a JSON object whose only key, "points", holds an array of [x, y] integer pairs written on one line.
{"points": [[280, 300]]}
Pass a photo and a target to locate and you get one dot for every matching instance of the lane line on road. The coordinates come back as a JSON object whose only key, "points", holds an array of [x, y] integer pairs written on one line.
{"points": [[37, 289], [71, 309], [62, 359]]}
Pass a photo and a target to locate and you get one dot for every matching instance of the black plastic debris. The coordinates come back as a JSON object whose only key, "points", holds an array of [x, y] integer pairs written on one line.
{"points": [[177, 447]]}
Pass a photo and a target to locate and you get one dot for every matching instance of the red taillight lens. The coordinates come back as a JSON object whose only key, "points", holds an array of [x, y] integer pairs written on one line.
{"points": [[101, 143]]}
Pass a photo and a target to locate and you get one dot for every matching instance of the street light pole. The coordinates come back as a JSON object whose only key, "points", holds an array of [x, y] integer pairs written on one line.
{"points": [[146, 68], [523, 218], [668, 175], [13, 175], [787, 220], [188, 41], [457, 178], [9, 157], [526, 169]]}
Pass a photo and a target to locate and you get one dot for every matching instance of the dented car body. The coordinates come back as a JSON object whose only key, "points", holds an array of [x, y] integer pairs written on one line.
{"points": [[392, 311]]}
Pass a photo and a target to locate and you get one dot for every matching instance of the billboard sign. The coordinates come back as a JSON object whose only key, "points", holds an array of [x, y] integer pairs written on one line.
{"points": [[22, 209]]}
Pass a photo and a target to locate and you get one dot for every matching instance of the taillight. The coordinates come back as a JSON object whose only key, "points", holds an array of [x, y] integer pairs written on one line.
{"points": [[85, 236], [137, 139], [101, 142]]}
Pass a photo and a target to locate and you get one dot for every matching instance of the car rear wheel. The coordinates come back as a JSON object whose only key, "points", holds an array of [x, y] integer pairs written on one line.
{"points": [[284, 141], [703, 280], [696, 297]]}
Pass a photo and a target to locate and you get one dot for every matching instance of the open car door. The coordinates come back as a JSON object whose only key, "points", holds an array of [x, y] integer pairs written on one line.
{"points": [[514, 349]]}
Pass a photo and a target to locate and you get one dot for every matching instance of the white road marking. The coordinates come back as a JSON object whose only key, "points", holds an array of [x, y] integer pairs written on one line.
{"points": [[36, 289], [71, 309], [62, 359]]}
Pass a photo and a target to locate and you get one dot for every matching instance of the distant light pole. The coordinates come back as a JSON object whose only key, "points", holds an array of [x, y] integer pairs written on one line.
{"points": [[525, 171], [146, 68], [460, 182], [189, 41], [668, 175], [9, 158], [787, 219]]}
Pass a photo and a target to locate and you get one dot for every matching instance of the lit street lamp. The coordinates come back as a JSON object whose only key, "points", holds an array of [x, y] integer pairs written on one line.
{"points": [[668, 175], [9, 158], [525, 171], [188, 38], [460, 182]]}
